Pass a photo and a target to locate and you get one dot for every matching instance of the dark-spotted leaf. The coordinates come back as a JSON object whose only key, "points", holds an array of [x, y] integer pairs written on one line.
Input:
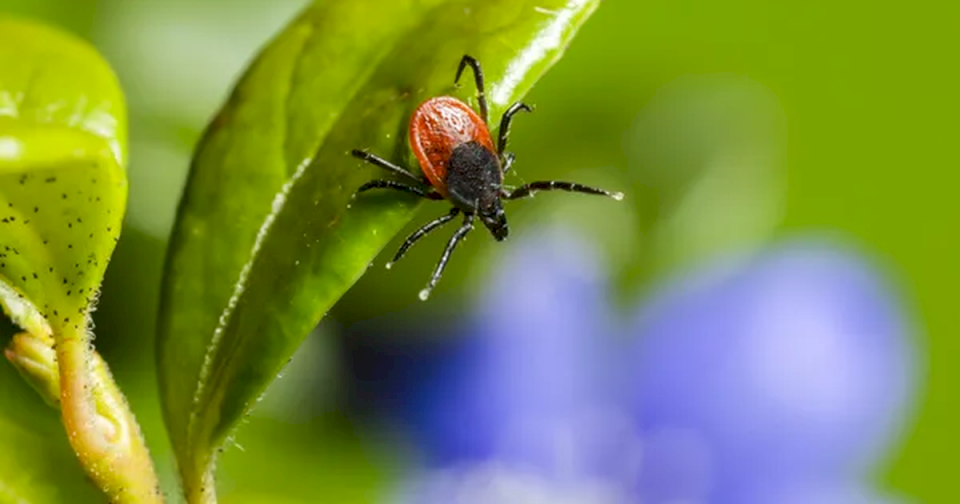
{"points": [[62, 183], [63, 191], [268, 235]]}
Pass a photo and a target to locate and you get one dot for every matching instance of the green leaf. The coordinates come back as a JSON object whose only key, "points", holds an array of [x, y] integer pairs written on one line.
{"points": [[50, 127], [63, 192], [268, 237], [62, 184]]}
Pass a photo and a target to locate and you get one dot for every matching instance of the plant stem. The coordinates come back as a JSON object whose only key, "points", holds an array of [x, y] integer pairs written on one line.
{"points": [[100, 426], [199, 485]]}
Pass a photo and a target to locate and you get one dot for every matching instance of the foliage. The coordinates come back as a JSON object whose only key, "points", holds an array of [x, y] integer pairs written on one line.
{"points": [[63, 195]]}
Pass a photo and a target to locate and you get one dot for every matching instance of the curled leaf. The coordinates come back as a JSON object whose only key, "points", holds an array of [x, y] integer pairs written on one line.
{"points": [[34, 356]]}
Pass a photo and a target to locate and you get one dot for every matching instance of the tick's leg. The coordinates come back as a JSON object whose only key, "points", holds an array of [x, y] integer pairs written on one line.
{"points": [[454, 240], [478, 77], [508, 159], [400, 186], [383, 163], [555, 185], [420, 233], [505, 123]]}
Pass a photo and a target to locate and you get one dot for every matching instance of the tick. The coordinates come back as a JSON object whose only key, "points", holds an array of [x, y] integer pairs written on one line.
{"points": [[461, 164]]}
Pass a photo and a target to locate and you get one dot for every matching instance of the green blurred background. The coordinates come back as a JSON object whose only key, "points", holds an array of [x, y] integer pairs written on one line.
{"points": [[828, 115]]}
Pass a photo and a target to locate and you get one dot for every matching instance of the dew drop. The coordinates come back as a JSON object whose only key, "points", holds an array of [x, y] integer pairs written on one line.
{"points": [[424, 294]]}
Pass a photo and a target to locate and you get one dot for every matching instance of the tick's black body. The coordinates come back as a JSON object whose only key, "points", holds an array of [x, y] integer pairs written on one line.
{"points": [[474, 183], [459, 163]]}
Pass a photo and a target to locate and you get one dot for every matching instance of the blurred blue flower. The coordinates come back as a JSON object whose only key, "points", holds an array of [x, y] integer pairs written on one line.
{"points": [[792, 367], [779, 378]]}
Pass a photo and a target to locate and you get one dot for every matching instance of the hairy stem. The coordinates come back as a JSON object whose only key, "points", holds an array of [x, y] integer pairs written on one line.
{"points": [[100, 426]]}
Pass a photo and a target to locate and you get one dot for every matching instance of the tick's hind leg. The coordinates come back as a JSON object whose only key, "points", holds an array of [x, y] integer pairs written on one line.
{"points": [[478, 78], [383, 163], [400, 186], [556, 185], [420, 233], [465, 228]]}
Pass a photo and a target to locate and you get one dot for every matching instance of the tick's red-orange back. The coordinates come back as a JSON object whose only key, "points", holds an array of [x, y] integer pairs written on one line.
{"points": [[459, 160], [437, 127]]}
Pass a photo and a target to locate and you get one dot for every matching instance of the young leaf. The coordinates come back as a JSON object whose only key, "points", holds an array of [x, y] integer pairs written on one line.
{"points": [[268, 236], [62, 197], [62, 185]]}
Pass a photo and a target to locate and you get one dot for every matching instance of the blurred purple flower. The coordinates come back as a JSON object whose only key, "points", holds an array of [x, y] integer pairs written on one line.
{"points": [[773, 379], [793, 367]]}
